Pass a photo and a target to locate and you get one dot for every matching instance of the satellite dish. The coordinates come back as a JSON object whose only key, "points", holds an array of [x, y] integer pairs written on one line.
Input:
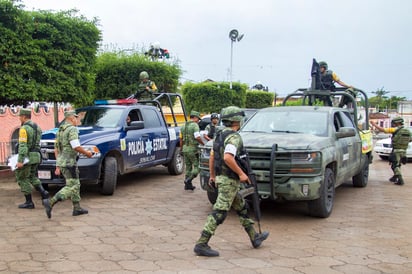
{"points": [[233, 34]]}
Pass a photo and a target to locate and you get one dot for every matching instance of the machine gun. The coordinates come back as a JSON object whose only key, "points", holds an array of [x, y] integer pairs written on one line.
{"points": [[250, 189]]}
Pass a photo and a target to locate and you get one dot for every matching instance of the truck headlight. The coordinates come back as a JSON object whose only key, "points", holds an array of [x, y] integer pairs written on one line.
{"points": [[94, 149], [306, 162]]}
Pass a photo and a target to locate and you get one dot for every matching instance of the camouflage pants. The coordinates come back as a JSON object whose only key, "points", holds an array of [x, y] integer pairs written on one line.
{"points": [[227, 198], [72, 188], [396, 163], [26, 177], [191, 157]]}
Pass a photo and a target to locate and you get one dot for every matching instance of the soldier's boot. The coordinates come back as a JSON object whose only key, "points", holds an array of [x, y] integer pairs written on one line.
{"points": [[399, 181], [49, 203], [256, 238], [202, 248], [188, 184], [28, 204], [393, 179], [44, 193], [77, 210]]}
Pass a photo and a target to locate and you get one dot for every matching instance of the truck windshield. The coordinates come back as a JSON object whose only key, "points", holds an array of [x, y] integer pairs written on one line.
{"points": [[100, 117], [288, 122]]}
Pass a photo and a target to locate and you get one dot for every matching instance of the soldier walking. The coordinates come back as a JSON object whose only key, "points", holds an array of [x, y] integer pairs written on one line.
{"points": [[226, 175], [29, 149], [189, 141], [67, 146]]}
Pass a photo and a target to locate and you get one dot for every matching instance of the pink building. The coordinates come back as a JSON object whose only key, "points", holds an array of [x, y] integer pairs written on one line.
{"points": [[10, 124]]}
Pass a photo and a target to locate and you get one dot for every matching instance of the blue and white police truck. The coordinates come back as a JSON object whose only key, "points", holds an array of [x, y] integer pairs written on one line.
{"points": [[124, 136]]}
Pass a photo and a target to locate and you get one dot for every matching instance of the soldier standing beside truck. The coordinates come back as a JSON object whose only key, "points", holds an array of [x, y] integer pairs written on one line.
{"points": [[400, 141], [189, 141], [67, 147]]}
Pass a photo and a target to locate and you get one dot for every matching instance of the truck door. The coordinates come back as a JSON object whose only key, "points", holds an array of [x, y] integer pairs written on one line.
{"points": [[134, 142], [157, 146], [348, 148]]}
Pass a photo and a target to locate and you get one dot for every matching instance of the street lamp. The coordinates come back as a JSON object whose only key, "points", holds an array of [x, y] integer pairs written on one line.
{"points": [[234, 36]]}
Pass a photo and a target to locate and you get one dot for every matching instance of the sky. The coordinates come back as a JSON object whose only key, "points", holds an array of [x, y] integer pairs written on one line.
{"points": [[368, 43]]}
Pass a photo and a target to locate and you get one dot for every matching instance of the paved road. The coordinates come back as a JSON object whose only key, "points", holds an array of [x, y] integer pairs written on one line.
{"points": [[150, 225]]}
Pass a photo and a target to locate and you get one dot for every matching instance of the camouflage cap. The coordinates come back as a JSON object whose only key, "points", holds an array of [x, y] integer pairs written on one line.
{"points": [[195, 114], [25, 111], [70, 113]]}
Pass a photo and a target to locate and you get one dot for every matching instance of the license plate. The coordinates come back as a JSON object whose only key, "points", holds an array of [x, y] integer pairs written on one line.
{"points": [[44, 174]]}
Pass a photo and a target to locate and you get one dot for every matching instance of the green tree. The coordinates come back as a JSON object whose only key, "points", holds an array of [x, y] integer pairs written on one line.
{"points": [[46, 56], [117, 74]]}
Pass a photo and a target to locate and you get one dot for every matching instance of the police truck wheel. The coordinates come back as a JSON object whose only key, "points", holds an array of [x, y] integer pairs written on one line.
{"points": [[109, 176], [176, 165], [322, 207]]}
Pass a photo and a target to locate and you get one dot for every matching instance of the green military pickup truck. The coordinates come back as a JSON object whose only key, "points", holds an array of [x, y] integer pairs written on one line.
{"points": [[302, 153]]}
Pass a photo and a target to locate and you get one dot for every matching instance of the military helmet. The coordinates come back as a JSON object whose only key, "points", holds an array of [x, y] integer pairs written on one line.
{"points": [[397, 120], [214, 116], [143, 75], [323, 64], [232, 113]]}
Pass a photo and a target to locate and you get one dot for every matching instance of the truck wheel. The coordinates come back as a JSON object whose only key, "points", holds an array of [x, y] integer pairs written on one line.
{"points": [[361, 179], [109, 176], [175, 166], [212, 196], [322, 207]]}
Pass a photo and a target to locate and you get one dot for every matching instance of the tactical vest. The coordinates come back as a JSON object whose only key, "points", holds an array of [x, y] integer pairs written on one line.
{"points": [[64, 147], [218, 150], [401, 138], [188, 135], [326, 80], [212, 130]]}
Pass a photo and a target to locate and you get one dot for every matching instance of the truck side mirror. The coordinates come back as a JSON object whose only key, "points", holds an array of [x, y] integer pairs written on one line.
{"points": [[135, 125], [345, 132]]}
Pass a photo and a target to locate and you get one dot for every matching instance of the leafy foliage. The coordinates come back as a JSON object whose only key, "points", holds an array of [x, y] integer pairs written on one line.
{"points": [[117, 74], [259, 99], [46, 56], [213, 96]]}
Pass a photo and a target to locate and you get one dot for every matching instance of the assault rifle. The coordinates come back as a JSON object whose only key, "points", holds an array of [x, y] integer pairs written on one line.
{"points": [[250, 189]]}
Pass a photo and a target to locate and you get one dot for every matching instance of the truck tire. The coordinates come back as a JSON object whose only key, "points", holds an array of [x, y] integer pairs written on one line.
{"points": [[361, 179], [322, 207], [109, 176], [212, 196], [175, 166]]}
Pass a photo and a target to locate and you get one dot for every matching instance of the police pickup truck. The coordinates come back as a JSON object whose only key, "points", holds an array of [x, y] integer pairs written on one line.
{"points": [[302, 153], [124, 136]]}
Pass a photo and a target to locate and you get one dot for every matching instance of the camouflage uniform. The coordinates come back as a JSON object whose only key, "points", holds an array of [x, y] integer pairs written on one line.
{"points": [[228, 185], [146, 87], [190, 151], [400, 140], [29, 148], [67, 162]]}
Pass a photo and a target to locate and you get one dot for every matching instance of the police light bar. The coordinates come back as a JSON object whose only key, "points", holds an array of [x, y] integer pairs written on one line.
{"points": [[116, 102]]}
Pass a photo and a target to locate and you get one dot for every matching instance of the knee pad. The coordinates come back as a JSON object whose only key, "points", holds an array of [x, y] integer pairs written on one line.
{"points": [[219, 216]]}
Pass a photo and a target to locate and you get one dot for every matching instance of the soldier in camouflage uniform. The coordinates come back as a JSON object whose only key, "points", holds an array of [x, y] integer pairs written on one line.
{"points": [[401, 137], [146, 87], [189, 141], [67, 146], [210, 130], [226, 175], [29, 148]]}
